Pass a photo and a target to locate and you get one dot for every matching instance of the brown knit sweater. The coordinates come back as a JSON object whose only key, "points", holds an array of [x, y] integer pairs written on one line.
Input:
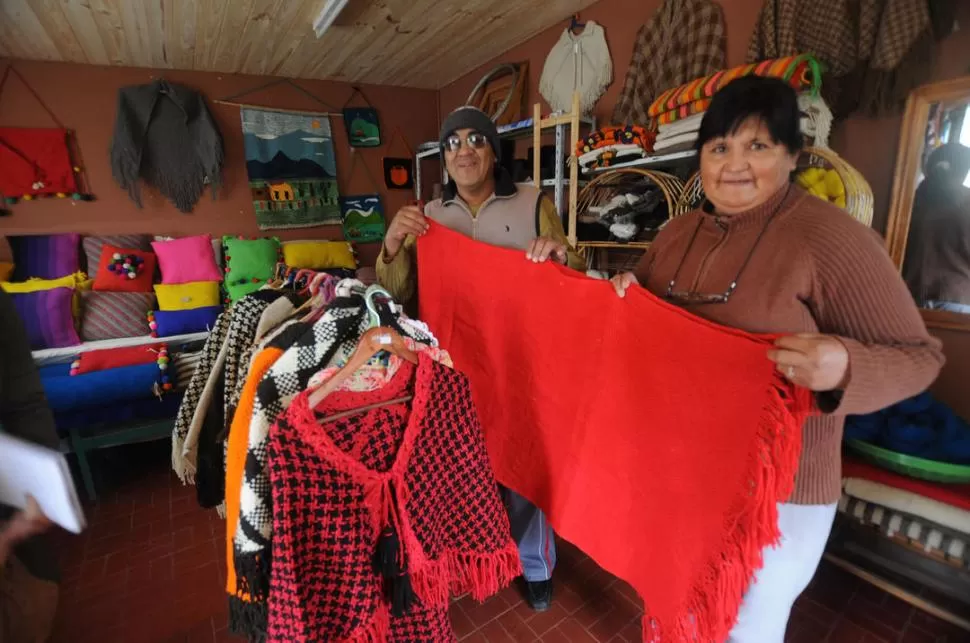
{"points": [[816, 269]]}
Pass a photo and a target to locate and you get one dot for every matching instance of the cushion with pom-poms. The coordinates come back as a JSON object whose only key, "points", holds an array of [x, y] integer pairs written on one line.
{"points": [[125, 270]]}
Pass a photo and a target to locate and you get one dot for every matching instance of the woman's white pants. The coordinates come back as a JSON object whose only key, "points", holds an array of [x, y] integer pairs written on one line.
{"points": [[787, 570]]}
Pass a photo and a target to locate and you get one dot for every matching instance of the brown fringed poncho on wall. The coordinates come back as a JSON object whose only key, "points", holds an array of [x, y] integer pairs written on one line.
{"points": [[165, 135], [684, 40], [875, 51]]}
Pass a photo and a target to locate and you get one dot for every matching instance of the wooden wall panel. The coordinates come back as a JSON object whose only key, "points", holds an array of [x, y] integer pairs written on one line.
{"points": [[413, 43]]}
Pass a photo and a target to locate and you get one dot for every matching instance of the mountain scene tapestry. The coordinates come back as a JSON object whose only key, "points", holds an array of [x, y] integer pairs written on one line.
{"points": [[292, 169]]}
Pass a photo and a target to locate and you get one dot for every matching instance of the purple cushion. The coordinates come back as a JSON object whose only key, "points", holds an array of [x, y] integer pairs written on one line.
{"points": [[46, 256], [48, 318]]}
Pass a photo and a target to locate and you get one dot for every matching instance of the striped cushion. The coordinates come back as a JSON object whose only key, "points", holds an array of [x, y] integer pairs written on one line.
{"points": [[45, 256], [47, 317], [185, 364], [111, 315], [92, 247]]}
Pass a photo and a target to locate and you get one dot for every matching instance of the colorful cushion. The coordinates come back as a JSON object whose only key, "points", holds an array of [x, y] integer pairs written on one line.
{"points": [[124, 270], [116, 357], [48, 317], [216, 248], [6, 270], [319, 255], [187, 260], [35, 284], [92, 247], [113, 315], [46, 256], [248, 262], [186, 296], [100, 388], [168, 323], [238, 291]]}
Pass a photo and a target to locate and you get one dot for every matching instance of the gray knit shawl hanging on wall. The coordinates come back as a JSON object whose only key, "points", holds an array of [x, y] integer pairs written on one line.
{"points": [[165, 135]]}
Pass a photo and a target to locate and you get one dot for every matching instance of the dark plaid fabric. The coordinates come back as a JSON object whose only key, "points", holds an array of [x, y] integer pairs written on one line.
{"points": [[323, 584], [874, 51], [684, 40]]}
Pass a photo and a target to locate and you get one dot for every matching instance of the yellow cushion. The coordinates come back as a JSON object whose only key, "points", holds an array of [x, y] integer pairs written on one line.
{"points": [[319, 255], [6, 269], [184, 296], [33, 285]]}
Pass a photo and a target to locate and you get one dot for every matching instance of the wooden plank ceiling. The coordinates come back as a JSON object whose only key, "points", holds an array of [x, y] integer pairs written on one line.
{"points": [[414, 43]]}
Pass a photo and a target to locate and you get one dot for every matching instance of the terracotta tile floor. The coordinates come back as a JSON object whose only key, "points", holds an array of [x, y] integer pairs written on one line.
{"points": [[151, 569]]}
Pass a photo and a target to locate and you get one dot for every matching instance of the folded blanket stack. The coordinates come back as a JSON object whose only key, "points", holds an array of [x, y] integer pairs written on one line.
{"points": [[611, 145], [677, 112], [678, 135]]}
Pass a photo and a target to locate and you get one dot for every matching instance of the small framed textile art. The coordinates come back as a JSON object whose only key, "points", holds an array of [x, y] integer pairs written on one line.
{"points": [[398, 174], [363, 129], [363, 218]]}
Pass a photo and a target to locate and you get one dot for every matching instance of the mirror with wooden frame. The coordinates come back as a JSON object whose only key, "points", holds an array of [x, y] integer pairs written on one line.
{"points": [[928, 232]]}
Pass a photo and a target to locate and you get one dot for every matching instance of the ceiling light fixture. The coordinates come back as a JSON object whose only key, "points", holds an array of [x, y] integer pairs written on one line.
{"points": [[331, 9]]}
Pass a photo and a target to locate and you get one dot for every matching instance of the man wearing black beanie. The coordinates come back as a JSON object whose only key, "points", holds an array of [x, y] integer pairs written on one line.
{"points": [[481, 201]]}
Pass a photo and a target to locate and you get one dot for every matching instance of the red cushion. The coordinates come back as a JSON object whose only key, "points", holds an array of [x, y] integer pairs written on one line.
{"points": [[116, 357], [114, 279]]}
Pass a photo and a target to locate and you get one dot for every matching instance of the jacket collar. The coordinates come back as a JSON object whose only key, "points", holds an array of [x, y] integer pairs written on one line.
{"points": [[504, 187]]}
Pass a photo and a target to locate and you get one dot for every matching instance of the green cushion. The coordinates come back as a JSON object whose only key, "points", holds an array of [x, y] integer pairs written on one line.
{"points": [[249, 263]]}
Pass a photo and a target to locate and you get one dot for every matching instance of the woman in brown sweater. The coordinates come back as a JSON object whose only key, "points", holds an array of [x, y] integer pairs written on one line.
{"points": [[765, 256]]}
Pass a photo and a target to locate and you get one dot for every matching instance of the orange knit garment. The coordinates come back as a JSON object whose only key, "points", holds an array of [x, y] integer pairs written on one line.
{"points": [[238, 444]]}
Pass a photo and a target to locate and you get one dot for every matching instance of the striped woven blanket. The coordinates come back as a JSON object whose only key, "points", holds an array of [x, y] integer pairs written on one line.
{"points": [[803, 72]]}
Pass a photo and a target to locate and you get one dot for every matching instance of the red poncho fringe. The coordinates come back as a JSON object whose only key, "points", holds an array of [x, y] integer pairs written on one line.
{"points": [[655, 441]]}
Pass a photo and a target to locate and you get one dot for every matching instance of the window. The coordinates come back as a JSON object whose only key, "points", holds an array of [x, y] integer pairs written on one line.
{"points": [[965, 139]]}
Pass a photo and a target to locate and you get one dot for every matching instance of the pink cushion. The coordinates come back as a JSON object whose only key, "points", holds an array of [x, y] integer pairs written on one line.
{"points": [[188, 259]]}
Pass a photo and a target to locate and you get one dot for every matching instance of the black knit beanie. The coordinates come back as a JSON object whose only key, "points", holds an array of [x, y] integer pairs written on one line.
{"points": [[468, 117]]}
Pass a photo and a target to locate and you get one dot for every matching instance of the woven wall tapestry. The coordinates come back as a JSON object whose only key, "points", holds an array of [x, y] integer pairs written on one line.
{"points": [[292, 169]]}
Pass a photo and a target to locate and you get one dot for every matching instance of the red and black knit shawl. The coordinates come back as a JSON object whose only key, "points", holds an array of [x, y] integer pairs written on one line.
{"points": [[338, 487]]}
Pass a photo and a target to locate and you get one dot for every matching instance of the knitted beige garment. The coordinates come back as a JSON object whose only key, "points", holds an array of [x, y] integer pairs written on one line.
{"points": [[577, 63]]}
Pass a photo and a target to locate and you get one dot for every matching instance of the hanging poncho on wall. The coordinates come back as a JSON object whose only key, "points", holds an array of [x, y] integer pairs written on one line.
{"points": [[36, 162], [165, 135], [577, 63]]}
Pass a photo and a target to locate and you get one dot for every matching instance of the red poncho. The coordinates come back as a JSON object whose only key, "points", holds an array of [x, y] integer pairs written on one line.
{"points": [[337, 486], [657, 442]]}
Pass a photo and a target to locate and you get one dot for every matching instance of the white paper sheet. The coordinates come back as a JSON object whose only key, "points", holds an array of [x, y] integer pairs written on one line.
{"points": [[27, 468]]}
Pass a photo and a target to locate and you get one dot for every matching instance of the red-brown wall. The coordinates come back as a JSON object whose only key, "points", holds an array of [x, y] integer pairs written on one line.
{"points": [[83, 98], [869, 144]]}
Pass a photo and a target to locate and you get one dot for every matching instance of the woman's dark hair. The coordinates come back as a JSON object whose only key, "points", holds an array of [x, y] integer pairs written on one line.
{"points": [[769, 100]]}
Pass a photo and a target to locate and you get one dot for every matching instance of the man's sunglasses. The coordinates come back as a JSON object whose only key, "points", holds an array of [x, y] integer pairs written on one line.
{"points": [[474, 140]]}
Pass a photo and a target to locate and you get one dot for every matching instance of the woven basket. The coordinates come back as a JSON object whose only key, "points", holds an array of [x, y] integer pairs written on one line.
{"points": [[594, 193], [620, 256], [691, 196], [858, 194]]}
